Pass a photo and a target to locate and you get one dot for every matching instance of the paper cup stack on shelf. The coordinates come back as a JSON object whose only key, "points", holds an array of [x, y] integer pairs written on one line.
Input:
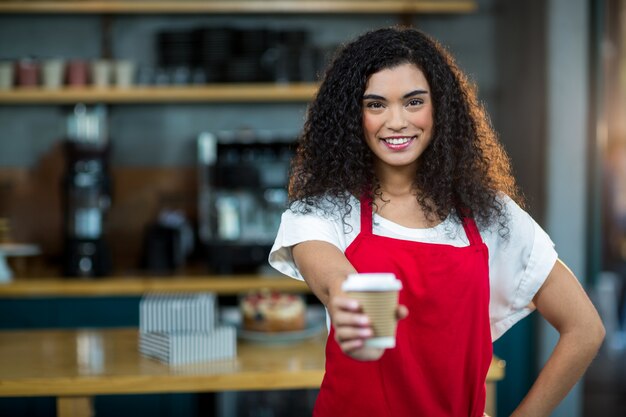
{"points": [[180, 328]]}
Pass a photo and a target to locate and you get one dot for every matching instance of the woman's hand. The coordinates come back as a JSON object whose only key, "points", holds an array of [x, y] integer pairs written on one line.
{"points": [[352, 327]]}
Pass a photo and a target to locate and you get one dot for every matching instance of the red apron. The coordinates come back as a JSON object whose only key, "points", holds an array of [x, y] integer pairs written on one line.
{"points": [[443, 349]]}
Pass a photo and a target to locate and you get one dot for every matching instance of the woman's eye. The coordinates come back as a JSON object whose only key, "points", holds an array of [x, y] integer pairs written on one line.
{"points": [[416, 102], [374, 105]]}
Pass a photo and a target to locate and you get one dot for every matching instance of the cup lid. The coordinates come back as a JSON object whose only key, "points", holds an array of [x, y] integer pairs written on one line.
{"points": [[383, 281]]}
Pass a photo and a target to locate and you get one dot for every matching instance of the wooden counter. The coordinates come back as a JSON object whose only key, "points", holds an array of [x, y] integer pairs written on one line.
{"points": [[75, 365], [107, 361], [139, 285]]}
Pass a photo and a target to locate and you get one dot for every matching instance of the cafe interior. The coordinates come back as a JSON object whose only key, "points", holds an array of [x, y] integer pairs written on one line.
{"points": [[144, 158]]}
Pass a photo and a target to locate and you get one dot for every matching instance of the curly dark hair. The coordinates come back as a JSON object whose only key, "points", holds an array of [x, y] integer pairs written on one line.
{"points": [[464, 166]]}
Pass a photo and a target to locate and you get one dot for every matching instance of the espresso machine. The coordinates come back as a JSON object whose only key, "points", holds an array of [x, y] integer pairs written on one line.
{"points": [[243, 191], [86, 190]]}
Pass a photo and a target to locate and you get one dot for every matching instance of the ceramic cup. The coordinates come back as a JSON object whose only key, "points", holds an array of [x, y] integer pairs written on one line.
{"points": [[124, 73], [7, 75], [27, 73], [77, 73], [52, 73], [101, 73]]}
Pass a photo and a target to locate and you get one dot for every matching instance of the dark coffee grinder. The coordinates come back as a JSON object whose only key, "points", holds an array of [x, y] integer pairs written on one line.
{"points": [[86, 194]]}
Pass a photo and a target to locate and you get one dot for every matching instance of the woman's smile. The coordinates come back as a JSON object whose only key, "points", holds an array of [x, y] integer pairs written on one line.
{"points": [[398, 143]]}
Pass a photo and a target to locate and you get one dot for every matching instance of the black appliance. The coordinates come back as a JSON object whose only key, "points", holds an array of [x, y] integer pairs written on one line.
{"points": [[86, 190], [243, 192]]}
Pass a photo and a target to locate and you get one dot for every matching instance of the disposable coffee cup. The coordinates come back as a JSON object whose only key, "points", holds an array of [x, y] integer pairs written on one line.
{"points": [[377, 294]]}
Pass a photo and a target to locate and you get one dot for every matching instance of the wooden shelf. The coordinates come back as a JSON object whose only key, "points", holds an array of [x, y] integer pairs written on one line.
{"points": [[254, 92], [136, 286], [238, 6]]}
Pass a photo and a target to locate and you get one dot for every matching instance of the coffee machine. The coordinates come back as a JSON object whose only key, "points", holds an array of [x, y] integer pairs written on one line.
{"points": [[243, 191], [86, 190]]}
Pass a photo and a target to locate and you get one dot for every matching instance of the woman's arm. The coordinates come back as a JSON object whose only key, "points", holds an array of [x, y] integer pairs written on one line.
{"points": [[563, 303], [324, 268]]}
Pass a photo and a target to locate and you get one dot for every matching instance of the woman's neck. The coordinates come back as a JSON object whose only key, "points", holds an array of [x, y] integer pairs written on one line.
{"points": [[398, 202], [396, 182]]}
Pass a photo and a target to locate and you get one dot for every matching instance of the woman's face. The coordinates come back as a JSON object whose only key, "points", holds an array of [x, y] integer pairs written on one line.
{"points": [[397, 115]]}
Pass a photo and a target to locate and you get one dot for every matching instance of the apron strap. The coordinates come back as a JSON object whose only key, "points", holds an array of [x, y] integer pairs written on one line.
{"points": [[366, 215], [471, 230]]}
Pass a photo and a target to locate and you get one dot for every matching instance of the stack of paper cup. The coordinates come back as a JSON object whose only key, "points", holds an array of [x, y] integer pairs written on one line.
{"points": [[178, 328], [377, 294]]}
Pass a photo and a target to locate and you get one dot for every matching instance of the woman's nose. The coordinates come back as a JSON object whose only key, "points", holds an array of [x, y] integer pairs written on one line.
{"points": [[397, 119]]}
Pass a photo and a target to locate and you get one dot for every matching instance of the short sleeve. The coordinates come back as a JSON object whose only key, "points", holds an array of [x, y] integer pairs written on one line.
{"points": [[518, 266], [298, 227]]}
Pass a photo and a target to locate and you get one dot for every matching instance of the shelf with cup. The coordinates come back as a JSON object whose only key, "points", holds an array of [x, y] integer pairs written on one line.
{"points": [[232, 92], [238, 6], [136, 285]]}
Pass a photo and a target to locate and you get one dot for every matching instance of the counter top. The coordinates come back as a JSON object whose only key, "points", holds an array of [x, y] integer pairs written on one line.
{"points": [[75, 365], [107, 361], [138, 285]]}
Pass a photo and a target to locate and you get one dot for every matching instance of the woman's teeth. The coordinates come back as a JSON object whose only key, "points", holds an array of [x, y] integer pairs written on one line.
{"points": [[397, 141]]}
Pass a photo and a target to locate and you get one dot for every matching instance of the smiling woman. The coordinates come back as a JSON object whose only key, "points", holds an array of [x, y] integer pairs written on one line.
{"points": [[397, 116], [356, 94], [399, 171]]}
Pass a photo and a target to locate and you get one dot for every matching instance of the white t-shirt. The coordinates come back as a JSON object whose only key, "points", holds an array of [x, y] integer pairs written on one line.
{"points": [[517, 266]]}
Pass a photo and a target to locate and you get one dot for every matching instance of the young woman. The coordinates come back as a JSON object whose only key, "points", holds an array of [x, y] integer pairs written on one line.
{"points": [[398, 170]]}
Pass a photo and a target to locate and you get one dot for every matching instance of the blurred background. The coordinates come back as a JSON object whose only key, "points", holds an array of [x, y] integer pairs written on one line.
{"points": [[159, 141]]}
